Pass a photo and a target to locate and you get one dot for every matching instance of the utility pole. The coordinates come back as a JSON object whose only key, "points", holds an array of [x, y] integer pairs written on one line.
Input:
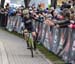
{"points": [[2, 3]]}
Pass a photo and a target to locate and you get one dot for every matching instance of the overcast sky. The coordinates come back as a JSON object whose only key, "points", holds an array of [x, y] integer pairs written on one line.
{"points": [[18, 2]]}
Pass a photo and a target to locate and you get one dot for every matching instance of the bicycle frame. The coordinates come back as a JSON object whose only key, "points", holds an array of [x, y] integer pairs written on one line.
{"points": [[29, 40]]}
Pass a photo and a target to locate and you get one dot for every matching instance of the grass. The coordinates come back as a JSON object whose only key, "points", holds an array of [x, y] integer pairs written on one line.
{"points": [[48, 54], [51, 56], [14, 33]]}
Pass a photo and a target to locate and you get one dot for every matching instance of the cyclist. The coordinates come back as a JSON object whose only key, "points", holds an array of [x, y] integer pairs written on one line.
{"points": [[27, 19]]}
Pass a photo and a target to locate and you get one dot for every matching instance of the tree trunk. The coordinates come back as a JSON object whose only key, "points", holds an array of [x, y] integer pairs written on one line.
{"points": [[54, 3], [26, 3], [2, 3]]}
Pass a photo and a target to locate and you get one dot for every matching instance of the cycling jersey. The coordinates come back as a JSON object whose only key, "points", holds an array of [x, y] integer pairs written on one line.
{"points": [[28, 24]]}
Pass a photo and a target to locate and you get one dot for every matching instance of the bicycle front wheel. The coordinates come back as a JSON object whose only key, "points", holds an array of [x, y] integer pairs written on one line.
{"points": [[31, 46], [32, 51]]}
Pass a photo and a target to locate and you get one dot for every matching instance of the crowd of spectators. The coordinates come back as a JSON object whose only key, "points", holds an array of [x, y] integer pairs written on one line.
{"points": [[63, 16]]}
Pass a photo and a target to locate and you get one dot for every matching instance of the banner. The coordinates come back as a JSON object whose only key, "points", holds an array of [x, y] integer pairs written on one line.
{"points": [[72, 48], [46, 39], [63, 39]]}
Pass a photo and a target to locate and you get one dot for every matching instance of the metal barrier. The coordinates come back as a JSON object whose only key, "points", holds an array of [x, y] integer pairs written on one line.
{"points": [[15, 23], [3, 19], [61, 41]]}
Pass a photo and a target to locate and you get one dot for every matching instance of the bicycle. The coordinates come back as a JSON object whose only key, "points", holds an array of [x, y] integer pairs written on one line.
{"points": [[30, 41]]}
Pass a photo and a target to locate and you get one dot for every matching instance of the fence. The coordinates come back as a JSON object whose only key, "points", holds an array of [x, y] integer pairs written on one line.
{"points": [[61, 41]]}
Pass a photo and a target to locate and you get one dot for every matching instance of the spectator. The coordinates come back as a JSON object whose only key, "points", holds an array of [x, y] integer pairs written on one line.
{"points": [[65, 5]]}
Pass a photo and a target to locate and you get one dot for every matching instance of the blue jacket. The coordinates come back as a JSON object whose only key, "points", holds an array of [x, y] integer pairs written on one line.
{"points": [[11, 11]]}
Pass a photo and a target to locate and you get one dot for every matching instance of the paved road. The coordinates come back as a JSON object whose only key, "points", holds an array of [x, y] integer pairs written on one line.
{"points": [[13, 51]]}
